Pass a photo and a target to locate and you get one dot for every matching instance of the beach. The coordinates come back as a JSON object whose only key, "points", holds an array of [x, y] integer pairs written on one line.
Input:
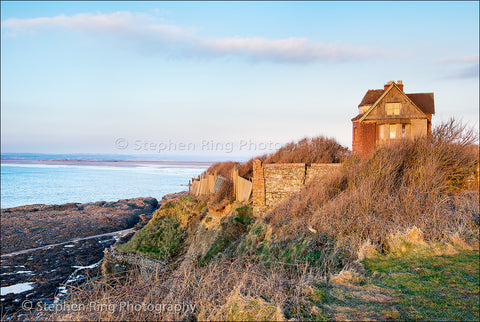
{"points": [[47, 247]]}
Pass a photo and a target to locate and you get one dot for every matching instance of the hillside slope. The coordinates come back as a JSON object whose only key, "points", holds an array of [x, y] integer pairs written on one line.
{"points": [[393, 236]]}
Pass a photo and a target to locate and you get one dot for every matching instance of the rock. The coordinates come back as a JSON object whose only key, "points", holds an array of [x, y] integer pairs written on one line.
{"points": [[36, 225]]}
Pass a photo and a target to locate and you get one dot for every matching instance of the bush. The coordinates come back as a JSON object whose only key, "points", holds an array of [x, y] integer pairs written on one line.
{"points": [[222, 168], [310, 150], [223, 196], [425, 183]]}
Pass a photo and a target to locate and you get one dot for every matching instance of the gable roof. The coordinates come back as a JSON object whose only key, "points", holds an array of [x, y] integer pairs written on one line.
{"points": [[371, 96], [385, 92], [424, 101], [357, 117]]}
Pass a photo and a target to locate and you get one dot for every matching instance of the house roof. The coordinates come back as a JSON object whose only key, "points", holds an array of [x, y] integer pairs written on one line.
{"points": [[357, 117], [371, 96], [424, 101]]}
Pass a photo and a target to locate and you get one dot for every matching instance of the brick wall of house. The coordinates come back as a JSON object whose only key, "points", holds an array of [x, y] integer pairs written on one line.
{"points": [[363, 138], [273, 183]]}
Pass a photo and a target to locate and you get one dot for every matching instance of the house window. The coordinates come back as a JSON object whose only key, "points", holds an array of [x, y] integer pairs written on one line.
{"points": [[382, 132], [393, 108], [403, 130], [393, 131]]}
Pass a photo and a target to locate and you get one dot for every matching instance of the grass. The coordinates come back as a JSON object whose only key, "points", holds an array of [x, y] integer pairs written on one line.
{"points": [[403, 204], [244, 215], [318, 149], [428, 182], [442, 287], [267, 279], [163, 236], [232, 230], [161, 239]]}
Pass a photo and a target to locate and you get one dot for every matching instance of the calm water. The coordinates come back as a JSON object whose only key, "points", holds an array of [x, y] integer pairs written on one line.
{"points": [[24, 184]]}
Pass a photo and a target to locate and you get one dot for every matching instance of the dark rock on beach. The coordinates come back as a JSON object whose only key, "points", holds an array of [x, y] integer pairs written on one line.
{"points": [[48, 246], [39, 225]]}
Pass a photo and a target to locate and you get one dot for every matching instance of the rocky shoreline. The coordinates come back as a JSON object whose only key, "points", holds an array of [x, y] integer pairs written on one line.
{"points": [[44, 247]]}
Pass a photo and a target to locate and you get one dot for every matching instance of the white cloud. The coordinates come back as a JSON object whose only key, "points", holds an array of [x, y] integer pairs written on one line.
{"points": [[471, 71], [288, 49], [145, 28], [120, 23], [460, 60]]}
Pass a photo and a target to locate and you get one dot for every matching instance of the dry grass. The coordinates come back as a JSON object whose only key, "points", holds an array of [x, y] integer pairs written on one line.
{"points": [[405, 197], [308, 150], [222, 168], [428, 183], [224, 196], [225, 290]]}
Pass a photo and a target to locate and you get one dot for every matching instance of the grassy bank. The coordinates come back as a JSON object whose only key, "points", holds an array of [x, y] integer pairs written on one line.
{"points": [[444, 287], [164, 234], [392, 236]]}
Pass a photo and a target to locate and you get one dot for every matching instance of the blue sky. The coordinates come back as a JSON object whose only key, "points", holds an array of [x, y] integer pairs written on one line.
{"points": [[221, 78]]}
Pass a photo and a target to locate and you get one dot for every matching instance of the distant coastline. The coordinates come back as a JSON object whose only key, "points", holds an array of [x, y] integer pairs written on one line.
{"points": [[59, 179], [112, 163]]}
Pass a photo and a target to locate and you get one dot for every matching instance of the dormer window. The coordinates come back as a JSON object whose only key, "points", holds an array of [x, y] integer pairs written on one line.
{"points": [[362, 109], [393, 108]]}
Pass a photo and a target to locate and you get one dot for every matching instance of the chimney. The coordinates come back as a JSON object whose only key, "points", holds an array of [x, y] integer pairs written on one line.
{"points": [[400, 85], [387, 85]]}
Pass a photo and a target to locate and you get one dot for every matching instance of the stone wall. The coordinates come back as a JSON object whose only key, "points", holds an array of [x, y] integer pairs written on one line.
{"points": [[273, 183], [281, 180]]}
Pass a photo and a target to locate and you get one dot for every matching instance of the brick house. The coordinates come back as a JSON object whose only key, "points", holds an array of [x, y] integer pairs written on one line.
{"points": [[390, 114]]}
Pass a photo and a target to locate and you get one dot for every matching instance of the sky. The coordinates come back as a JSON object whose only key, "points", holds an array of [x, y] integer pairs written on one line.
{"points": [[230, 79]]}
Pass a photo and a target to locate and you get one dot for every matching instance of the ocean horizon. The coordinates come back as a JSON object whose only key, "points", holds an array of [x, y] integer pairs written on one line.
{"points": [[54, 184], [6, 156]]}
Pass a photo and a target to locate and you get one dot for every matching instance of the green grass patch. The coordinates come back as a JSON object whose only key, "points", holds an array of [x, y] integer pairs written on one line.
{"points": [[431, 288], [163, 236], [232, 231], [220, 245], [244, 215], [160, 239]]}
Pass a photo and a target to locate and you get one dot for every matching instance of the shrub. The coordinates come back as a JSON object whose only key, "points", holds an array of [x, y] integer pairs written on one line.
{"points": [[424, 183], [222, 168], [310, 150], [223, 196]]}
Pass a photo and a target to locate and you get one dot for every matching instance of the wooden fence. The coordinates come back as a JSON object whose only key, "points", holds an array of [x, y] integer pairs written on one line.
{"points": [[209, 184]]}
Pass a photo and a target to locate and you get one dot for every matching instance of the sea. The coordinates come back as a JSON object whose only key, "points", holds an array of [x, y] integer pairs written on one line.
{"points": [[54, 184]]}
